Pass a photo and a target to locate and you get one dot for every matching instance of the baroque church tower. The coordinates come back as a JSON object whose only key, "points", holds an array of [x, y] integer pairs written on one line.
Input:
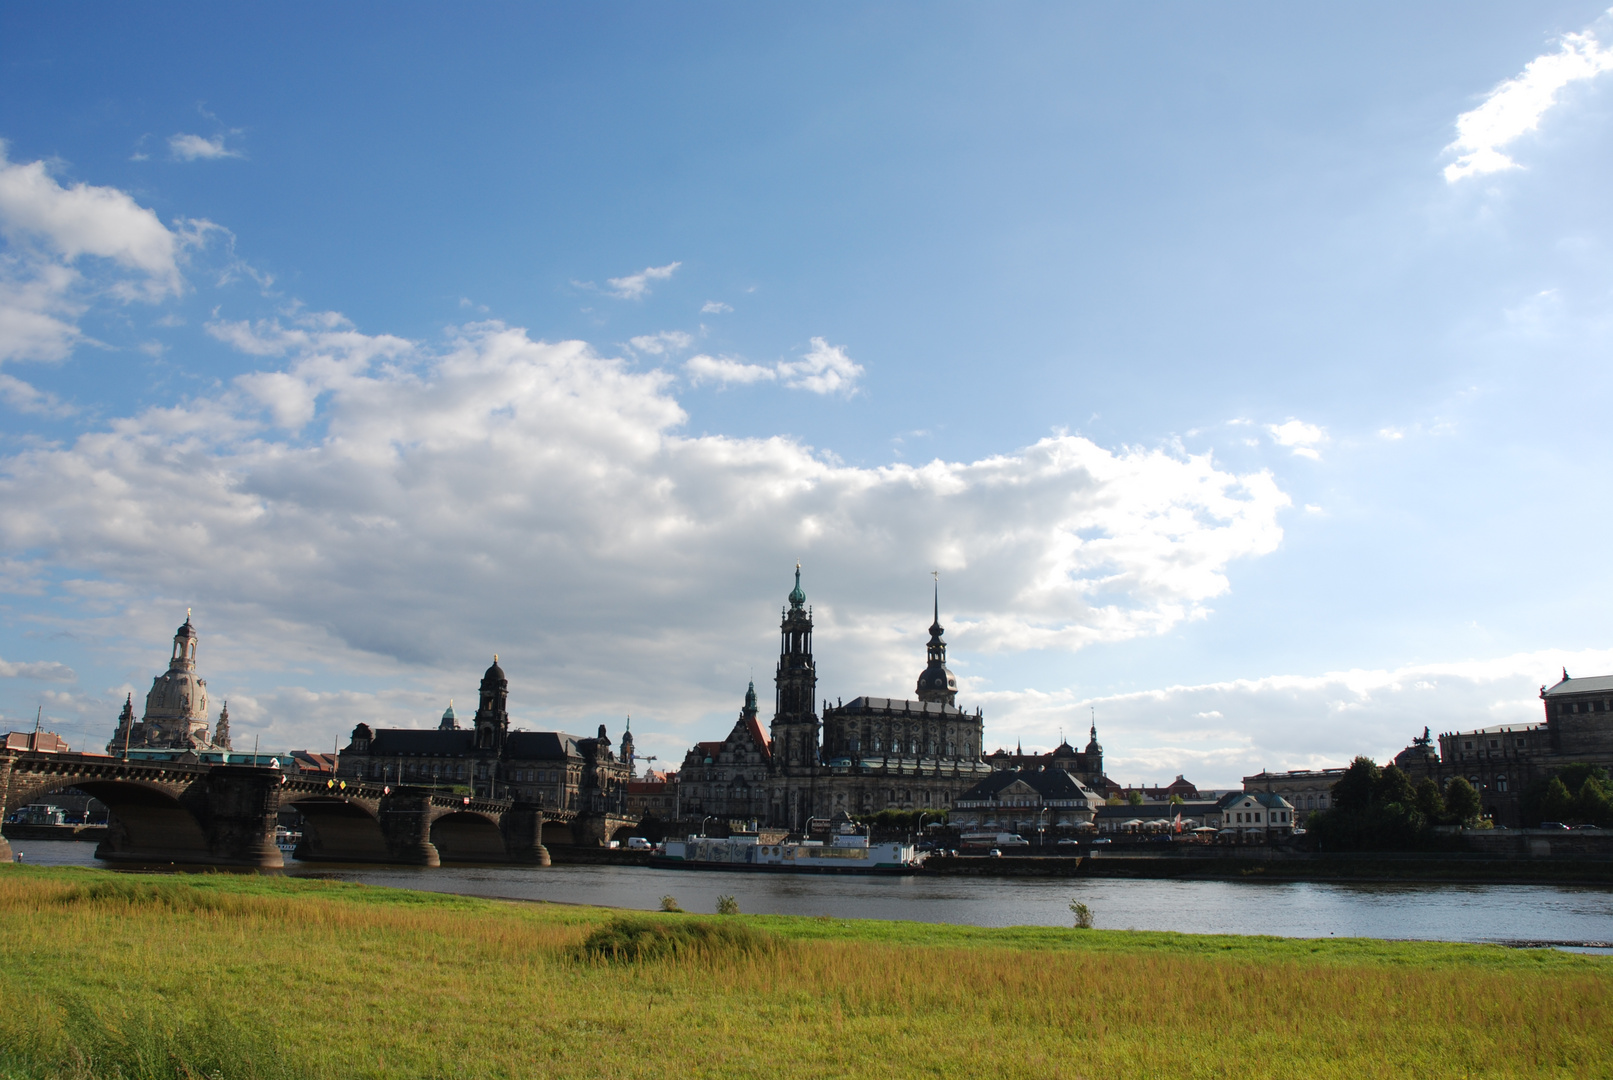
{"points": [[936, 683], [795, 711]]}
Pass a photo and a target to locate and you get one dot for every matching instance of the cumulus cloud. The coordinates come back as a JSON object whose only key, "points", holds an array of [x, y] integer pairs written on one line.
{"points": [[1217, 733], [200, 148], [826, 369], [714, 307], [366, 504], [30, 399], [667, 341], [1514, 108], [53, 233], [1300, 437], [44, 670], [637, 286], [725, 370]]}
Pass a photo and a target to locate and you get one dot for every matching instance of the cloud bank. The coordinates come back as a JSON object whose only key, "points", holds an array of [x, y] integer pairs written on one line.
{"points": [[825, 369]]}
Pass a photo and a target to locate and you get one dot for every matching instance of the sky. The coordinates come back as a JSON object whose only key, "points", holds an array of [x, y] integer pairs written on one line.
{"points": [[1240, 370]]}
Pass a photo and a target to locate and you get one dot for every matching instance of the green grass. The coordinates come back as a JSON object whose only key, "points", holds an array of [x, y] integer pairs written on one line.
{"points": [[107, 975]]}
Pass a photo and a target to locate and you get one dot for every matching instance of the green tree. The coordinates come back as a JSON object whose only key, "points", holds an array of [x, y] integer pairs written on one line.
{"points": [[1113, 800], [1461, 801], [1135, 798], [1557, 804], [1355, 789], [1430, 803], [1083, 915], [1393, 786], [1593, 804], [1177, 800]]}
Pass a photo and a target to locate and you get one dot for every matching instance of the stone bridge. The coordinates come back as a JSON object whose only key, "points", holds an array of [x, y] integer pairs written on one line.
{"points": [[224, 815]]}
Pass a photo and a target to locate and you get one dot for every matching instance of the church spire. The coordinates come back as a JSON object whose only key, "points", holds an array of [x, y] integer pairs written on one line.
{"points": [[936, 683]]}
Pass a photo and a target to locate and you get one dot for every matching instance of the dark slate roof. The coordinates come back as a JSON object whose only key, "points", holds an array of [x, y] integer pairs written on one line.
{"points": [[899, 705], [1048, 783], [432, 741], [1263, 798], [540, 745], [1593, 684]]}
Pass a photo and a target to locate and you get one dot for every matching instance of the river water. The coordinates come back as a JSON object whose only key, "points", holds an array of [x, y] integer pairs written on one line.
{"points": [[1432, 912]]}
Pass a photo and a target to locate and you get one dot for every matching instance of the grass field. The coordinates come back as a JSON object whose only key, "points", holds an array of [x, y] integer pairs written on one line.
{"points": [[111, 975]]}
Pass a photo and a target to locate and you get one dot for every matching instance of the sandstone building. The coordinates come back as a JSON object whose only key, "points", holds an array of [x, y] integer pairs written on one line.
{"points": [[176, 708]]}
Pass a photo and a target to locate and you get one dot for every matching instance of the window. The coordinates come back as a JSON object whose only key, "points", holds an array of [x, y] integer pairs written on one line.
{"points": [[1500, 783], [1520, 742], [1495, 744], [1467, 744]]}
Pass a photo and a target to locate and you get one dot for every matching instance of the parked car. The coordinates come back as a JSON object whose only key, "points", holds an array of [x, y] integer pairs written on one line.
{"points": [[1598, 828], [1553, 825], [1067, 844], [1102, 840], [994, 853], [637, 843]]}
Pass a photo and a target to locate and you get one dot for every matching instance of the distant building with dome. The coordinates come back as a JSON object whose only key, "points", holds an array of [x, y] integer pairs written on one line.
{"points": [[175, 715]]}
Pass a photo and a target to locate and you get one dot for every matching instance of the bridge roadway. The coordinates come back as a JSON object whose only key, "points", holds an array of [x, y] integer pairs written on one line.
{"points": [[225, 815]]}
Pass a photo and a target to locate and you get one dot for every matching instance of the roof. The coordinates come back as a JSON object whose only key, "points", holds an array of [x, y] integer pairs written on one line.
{"points": [[48, 742], [421, 741], [540, 744], [1593, 684], [1048, 783], [759, 736], [1268, 799], [898, 705]]}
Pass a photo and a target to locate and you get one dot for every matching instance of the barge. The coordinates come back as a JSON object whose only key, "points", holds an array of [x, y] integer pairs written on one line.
{"points": [[846, 854]]}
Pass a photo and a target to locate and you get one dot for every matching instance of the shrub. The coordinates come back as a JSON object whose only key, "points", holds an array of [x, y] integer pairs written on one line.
{"points": [[727, 905], [643, 938], [1083, 915], [1462, 801], [670, 903]]}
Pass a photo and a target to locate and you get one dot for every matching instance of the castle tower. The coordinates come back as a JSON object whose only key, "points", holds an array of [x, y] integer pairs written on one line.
{"points": [[492, 716], [124, 734], [627, 747], [795, 720], [748, 713], [1094, 752], [936, 683], [450, 722]]}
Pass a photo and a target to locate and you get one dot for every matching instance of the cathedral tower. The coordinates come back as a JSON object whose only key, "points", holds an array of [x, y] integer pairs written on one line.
{"points": [[795, 718], [936, 683]]}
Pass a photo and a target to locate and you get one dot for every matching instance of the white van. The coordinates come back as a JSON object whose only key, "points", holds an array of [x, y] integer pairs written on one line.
{"points": [[637, 843]]}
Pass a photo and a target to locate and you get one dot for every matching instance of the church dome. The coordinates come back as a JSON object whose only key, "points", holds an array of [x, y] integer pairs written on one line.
{"points": [[494, 673], [186, 631], [936, 679]]}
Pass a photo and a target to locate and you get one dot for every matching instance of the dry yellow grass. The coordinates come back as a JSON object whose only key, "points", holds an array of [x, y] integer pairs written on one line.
{"points": [[100, 973]]}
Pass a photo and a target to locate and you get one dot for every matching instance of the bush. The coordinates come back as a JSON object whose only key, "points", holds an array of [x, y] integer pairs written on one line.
{"points": [[670, 903], [1462, 804], [1083, 915], [727, 905], [644, 938]]}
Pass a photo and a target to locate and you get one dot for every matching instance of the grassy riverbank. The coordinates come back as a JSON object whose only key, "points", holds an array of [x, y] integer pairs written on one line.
{"points": [[105, 975]]}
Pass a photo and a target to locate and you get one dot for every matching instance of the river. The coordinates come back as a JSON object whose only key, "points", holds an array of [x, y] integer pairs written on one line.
{"points": [[1431, 912]]}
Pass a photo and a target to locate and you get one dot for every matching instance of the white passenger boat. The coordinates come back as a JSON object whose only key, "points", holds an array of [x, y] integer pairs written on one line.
{"points": [[840, 855]]}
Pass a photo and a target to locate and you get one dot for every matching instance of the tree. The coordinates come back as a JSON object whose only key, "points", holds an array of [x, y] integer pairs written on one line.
{"points": [[1083, 915], [1393, 786], [1135, 798], [1461, 801], [1430, 803], [1557, 804], [1354, 791], [1177, 800], [1593, 804], [1113, 800]]}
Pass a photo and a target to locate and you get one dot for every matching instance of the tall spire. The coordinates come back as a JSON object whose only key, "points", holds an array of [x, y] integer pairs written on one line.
{"points": [[797, 597], [936, 683]]}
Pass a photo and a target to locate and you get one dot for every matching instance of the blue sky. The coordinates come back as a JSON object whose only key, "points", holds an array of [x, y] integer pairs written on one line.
{"points": [[1241, 369]]}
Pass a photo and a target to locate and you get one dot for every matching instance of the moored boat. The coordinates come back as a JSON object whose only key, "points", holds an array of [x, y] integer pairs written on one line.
{"points": [[846, 854]]}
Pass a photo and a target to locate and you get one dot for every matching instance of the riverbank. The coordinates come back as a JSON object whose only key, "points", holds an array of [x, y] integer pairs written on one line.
{"points": [[249, 976], [1276, 865]]}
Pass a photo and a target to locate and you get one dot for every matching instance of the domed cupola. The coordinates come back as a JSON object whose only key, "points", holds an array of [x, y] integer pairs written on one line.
{"points": [[797, 597], [492, 715], [937, 684]]}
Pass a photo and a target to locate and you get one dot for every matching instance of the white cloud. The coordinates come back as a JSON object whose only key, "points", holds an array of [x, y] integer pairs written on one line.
{"points": [[666, 341], [1392, 434], [44, 670], [45, 282], [637, 286], [714, 307], [826, 369], [725, 370], [1514, 108], [200, 148], [1299, 436], [30, 399], [1217, 733], [538, 500]]}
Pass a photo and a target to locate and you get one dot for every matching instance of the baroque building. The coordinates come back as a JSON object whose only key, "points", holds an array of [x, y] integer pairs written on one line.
{"points": [[568, 775], [860, 757], [1502, 761], [175, 715]]}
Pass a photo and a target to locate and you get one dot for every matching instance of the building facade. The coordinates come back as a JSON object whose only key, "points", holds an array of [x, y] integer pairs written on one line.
{"points": [[1503, 760], [1045, 801], [549, 769], [175, 715], [862, 756], [1308, 790]]}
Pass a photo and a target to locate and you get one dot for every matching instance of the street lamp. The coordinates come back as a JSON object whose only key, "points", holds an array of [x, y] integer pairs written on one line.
{"points": [[1041, 830], [703, 821]]}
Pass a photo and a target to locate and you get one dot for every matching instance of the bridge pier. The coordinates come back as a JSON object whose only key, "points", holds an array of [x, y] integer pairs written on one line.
{"points": [[406, 824], [242, 806], [522, 827]]}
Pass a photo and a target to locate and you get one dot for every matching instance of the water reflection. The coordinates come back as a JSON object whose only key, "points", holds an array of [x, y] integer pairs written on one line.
{"points": [[1420, 911]]}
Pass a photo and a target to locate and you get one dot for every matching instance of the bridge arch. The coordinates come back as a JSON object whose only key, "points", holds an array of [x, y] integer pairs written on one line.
{"points": [[468, 836], [148, 820], [338, 829]]}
